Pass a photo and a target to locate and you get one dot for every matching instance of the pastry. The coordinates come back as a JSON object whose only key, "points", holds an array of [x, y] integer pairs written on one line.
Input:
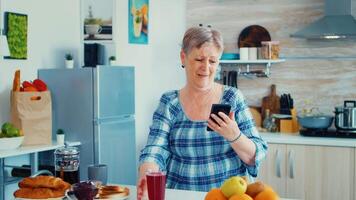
{"points": [[38, 193], [41, 187], [44, 182], [113, 191]]}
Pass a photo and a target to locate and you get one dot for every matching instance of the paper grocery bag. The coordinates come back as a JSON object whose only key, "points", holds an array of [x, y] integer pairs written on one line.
{"points": [[32, 112]]}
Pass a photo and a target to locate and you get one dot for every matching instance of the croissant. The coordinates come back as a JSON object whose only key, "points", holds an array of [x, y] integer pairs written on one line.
{"points": [[44, 182], [38, 193]]}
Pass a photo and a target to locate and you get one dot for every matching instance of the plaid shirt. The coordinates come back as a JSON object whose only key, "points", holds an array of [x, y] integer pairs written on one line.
{"points": [[194, 158]]}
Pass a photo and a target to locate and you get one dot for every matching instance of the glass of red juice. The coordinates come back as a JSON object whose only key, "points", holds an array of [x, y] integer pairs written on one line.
{"points": [[156, 185]]}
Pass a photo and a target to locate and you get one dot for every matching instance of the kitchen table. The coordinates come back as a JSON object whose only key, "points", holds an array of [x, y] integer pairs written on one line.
{"points": [[173, 194]]}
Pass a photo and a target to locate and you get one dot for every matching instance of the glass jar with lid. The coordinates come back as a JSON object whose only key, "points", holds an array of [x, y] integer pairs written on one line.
{"points": [[270, 50], [67, 164]]}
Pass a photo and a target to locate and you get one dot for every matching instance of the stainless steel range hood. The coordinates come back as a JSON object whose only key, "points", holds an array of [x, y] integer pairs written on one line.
{"points": [[337, 22]]}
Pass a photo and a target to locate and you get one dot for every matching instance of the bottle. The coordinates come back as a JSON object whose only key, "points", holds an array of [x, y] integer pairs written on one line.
{"points": [[273, 128], [267, 122]]}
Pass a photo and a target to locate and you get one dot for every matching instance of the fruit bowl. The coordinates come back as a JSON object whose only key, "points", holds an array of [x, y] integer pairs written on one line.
{"points": [[10, 143]]}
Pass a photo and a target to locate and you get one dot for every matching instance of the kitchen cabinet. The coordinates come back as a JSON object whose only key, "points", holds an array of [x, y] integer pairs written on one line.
{"points": [[310, 172], [247, 63]]}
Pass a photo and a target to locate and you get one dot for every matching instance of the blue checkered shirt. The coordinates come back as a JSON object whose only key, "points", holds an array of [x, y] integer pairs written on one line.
{"points": [[194, 158]]}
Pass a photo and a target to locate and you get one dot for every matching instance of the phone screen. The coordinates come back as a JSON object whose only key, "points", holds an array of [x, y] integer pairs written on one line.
{"points": [[215, 108]]}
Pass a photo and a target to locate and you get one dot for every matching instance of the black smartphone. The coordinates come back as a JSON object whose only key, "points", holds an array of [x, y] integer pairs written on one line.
{"points": [[215, 108]]}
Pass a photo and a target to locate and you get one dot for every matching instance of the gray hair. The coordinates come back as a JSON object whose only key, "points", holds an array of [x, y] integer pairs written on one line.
{"points": [[195, 37]]}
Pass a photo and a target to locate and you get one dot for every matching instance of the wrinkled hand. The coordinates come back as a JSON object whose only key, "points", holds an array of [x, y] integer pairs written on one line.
{"points": [[226, 126], [142, 188]]}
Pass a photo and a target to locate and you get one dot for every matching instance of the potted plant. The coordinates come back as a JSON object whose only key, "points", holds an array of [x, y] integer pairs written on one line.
{"points": [[92, 25], [112, 60], [69, 62]]}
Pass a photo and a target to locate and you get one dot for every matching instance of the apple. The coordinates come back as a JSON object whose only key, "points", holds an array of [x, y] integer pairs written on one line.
{"points": [[234, 185]]}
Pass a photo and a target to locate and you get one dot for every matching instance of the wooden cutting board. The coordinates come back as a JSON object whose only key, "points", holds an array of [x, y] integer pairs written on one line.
{"points": [[270, 102], [256, 116]]}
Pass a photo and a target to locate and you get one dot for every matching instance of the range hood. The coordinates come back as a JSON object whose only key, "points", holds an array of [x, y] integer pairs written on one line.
{"points": [[337, 22]]}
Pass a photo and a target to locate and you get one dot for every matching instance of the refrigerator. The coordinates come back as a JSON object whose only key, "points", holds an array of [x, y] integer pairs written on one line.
{"points": [[96, 106]]}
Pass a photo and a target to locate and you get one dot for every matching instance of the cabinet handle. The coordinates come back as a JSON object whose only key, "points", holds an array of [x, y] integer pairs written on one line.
{"points": [[278, 163], [291, 164]]}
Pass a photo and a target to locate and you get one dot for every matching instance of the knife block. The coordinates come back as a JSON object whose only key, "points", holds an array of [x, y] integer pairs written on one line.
{"points": [[289, 125]]}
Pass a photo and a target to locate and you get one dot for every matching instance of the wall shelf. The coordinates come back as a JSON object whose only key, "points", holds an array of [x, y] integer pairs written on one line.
{"points": [[251, 61], [247, 63]]}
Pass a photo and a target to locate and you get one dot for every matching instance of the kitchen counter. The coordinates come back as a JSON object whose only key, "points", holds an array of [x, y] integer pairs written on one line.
{"points": [[287, 138], [28, 150], [172, 194]]}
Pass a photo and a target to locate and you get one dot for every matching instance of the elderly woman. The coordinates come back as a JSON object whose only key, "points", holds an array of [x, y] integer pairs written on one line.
{"points": [[179, 142]]}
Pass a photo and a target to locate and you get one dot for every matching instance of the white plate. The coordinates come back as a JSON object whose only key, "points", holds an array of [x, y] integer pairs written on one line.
{"points": [[120, 198]]}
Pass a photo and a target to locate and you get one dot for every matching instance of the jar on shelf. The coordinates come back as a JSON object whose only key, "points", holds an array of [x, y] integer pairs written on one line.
{"points": [[270, 50]]}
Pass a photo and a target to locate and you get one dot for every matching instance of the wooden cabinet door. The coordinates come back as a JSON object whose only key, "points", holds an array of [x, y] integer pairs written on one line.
{"points": [[273, 168], [320, 172]]}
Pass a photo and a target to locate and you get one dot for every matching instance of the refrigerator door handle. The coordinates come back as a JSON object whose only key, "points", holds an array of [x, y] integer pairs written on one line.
{"points": [[123, 118]]}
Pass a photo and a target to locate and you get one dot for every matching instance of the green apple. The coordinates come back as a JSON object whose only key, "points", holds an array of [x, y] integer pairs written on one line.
{"points": [[13, 132], [234, 185], [5, 127]]}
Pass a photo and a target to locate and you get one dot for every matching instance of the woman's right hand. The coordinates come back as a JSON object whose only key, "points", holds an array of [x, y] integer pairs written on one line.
{"points": [[142, 183], [142, 188]]}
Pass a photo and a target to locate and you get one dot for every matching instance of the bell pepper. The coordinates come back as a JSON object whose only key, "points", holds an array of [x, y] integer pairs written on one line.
{"points": [[40, 85]]}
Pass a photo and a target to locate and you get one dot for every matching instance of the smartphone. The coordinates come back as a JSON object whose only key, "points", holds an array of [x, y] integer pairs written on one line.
{"points": [[215, 108]]}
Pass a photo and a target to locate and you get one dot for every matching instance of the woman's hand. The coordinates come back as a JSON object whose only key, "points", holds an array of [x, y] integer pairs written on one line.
{"points": [[226, 126], [142, 188], [142, 183]]}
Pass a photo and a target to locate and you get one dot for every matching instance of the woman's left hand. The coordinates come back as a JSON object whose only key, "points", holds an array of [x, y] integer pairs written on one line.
{"points": [[226, 126]]}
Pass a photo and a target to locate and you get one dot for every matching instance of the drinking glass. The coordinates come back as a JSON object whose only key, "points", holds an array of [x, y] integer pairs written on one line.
{"points": [[98, 172], [156, 184]]}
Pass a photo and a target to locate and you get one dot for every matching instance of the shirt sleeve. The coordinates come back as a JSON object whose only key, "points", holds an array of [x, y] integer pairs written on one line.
{"points": [[247, 126], [157, 147]]}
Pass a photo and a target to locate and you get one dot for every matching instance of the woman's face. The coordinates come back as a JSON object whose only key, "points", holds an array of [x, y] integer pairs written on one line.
{"points": [[200, 65]]}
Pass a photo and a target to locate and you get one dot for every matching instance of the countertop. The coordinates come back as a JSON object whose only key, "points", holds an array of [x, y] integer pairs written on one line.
{"points": [[288, 138], [172, 194], [28, 149]]}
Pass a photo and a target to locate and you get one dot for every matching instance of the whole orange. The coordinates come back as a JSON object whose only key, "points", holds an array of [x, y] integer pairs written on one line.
{"points": [[215, 194], [240, 197], [267, 194]]}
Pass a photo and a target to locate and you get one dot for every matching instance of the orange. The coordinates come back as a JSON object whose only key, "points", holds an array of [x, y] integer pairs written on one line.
{"points": [[144, 9], [240, 197], [267, 194], [215, 194]]}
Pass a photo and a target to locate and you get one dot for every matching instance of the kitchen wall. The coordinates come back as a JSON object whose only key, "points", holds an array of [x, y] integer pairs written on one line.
{"points": [[157, 64], [322, 72], [50, 36]]}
